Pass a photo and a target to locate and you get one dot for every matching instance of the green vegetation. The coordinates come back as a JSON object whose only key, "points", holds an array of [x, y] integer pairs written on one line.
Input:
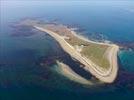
{"points": [[76, 41], [93, 51], [96, 54]]}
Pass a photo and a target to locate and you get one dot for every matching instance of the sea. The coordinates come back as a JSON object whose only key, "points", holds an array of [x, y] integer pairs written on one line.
{"points": [[28, 57]]}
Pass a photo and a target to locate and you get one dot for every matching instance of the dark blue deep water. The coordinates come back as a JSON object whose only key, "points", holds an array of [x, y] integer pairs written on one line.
{"points": [[22, 77]]}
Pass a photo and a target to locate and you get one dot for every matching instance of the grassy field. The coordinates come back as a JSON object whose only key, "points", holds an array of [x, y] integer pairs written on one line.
{"points": [[92, 51]]}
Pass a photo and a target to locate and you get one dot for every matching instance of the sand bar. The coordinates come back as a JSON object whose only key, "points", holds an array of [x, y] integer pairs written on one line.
{"points": [[70, 74]]}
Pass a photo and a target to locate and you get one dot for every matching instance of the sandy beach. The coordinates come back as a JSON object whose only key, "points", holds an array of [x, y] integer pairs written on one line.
{"points": [[66, 71], [107, 76]]}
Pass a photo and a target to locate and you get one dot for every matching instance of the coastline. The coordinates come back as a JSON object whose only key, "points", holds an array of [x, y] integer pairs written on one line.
{"points": [[107, 76]]}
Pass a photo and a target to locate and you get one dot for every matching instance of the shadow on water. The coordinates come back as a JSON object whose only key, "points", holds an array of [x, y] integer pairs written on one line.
{"points": [[75, 66], [124, 79], [62, 56]]}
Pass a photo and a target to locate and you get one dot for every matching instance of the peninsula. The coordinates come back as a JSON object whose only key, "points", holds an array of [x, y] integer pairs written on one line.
{"points": [[98, 58]]}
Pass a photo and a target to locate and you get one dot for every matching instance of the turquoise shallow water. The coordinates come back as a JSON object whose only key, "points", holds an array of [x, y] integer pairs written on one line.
{"points": [[21, 75], [127, 59]]}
